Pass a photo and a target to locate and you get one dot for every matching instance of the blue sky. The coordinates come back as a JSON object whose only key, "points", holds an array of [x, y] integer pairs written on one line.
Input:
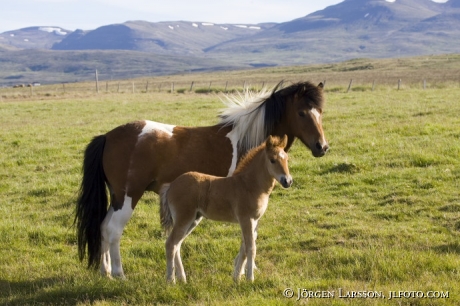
{"points": [[90, 14]]}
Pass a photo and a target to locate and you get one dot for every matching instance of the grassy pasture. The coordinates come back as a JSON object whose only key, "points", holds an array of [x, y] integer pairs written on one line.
{"points": [[380, 212]]}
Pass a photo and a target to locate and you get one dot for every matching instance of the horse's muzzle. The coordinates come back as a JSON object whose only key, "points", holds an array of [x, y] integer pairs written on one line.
{"points": [[320, 150], [286, 181]]}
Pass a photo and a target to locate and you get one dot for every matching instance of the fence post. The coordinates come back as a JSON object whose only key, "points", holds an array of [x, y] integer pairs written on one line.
{"points": [[373, 85], [147, 87], [399, 84], [172, 87], [424, 84], [106, 86], [97, 83], [349, 85], [63, 87], [133, 87], [209, 89], [191, 86], [118, 89], [226, 85]]}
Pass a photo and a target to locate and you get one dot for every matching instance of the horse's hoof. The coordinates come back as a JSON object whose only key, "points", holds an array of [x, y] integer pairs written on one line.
{"points": [[119, 276]]}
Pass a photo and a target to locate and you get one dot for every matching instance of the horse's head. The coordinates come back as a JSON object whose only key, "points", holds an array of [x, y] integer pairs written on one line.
{"points": [[277, 160], [304, 117]]}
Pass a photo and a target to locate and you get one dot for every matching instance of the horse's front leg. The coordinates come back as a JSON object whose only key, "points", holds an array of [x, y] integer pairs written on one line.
{"points": [[248, 229]]}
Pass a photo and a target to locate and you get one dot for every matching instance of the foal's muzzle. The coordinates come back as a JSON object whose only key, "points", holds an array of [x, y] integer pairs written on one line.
{"points": [[286, 181]]}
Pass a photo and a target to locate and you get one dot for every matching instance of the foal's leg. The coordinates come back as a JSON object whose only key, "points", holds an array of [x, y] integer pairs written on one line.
{"points": [[181, 229], [240, 262], [180, 273], [241, 258], [248, 227], [112, 229]]}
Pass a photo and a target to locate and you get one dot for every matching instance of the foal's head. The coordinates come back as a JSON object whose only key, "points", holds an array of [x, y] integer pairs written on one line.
{"points": [[277, 160]]}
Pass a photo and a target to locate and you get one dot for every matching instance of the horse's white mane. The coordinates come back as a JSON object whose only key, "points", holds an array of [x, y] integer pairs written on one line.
{"points": [[245, 112]]}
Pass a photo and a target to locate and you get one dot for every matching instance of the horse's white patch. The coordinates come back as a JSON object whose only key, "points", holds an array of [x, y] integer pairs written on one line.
{"points": [[317, 116], [282, 155], [316, 113], [121, 217], [156, 126], [233, 136]]}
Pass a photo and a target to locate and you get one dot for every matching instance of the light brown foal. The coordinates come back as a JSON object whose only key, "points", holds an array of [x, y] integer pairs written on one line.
{"points": [[241, 198]]}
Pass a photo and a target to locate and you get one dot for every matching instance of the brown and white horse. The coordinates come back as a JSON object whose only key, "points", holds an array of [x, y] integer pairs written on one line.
{"points": [[144, 155], [241, 198]]}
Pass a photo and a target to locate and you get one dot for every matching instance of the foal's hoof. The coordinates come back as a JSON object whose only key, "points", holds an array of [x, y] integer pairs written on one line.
{"points": [[236, 278]]}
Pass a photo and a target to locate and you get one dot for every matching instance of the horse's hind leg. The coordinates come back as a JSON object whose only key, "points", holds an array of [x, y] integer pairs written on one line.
{"points": [[106, 265], [112, 229]]}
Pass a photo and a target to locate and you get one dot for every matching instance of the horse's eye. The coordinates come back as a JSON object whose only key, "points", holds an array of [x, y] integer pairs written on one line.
{"points": [[272, 161], [302, 114]]}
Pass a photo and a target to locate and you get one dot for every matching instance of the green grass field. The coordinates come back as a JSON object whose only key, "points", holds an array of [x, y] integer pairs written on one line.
{"points": [[379, 213]]}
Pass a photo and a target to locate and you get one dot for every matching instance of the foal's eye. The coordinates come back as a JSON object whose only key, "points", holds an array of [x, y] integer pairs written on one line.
{"points": [[302, 114], [272, 161]]}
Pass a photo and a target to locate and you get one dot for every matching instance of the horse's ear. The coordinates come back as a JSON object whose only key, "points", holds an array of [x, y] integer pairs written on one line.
{"points": [[321, 85]]}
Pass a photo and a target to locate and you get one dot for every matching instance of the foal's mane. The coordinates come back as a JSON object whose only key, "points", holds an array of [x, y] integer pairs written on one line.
{"points": [[246, 160], [254, 115]]}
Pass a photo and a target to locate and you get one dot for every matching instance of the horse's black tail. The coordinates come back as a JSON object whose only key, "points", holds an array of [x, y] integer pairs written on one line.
{"points": [[165, 212], [92, 203]]}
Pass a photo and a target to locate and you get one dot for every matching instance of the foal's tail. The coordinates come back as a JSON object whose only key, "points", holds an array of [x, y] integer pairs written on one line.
{"points": [[92, 203], [165, 213]]}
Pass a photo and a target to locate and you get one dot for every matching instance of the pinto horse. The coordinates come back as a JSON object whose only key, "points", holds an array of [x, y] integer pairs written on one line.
{"points": [[144, 155], [241, 198]]}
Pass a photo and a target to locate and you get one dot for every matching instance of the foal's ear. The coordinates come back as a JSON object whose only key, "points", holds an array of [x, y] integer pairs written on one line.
{"points": [[283, 142], [270, 141], [321, 85]]}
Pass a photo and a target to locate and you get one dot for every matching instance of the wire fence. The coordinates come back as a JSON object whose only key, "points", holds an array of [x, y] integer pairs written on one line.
{"points": [[340, 82]]}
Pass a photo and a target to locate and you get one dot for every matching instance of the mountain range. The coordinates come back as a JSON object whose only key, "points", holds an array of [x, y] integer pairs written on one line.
{"points": [[350, 29]]}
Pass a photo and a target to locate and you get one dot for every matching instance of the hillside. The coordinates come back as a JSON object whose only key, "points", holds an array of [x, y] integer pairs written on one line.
{"points": [[45, 66], [356, 28], [34, 37], [181, 37]]}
